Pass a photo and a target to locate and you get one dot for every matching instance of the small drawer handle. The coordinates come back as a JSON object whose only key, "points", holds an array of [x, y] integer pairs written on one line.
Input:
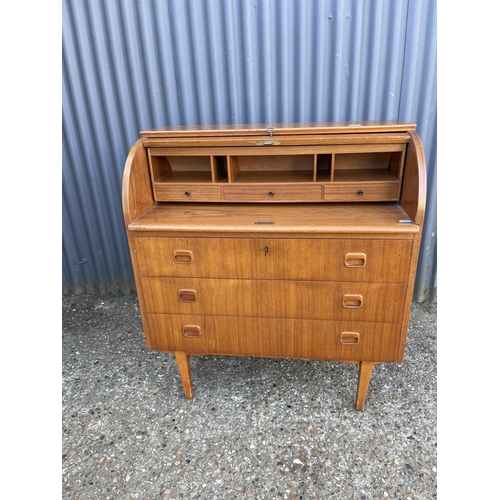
{"points": [[271, 193], [183, 256], [349, 338], [191, 331], [187, 295], [355, 260], [352, 300]]}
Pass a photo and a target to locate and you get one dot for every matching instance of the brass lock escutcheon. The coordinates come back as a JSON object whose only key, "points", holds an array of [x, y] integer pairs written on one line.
{"points": [[270, 131], [268, 143]]}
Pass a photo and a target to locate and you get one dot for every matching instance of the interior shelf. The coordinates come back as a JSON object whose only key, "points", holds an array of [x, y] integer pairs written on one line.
{"points": [[364, 175], [192, 176], [273, 176], [347, 173], [271, 168]]}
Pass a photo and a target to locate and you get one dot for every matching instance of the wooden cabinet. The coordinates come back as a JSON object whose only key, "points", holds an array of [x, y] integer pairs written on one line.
{"points": [[294, 241]]}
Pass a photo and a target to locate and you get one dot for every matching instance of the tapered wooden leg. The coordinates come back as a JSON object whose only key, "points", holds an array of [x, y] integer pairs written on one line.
{"points": [[365, 372], [185, 371]]}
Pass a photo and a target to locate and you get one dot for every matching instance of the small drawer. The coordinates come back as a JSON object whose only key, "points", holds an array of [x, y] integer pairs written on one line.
{"points": [[272, 193], [361, 191], [188, 192]]}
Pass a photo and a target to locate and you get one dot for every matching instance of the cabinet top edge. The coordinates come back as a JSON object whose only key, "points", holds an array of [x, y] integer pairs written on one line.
{"points": [[280, 129]]}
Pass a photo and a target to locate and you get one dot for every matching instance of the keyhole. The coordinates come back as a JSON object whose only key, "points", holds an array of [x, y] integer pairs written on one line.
{"points": [[266, 249]]}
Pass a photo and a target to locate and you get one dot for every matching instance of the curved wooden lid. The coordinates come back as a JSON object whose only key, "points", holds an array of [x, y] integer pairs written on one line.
{"points": [[279, 129]]}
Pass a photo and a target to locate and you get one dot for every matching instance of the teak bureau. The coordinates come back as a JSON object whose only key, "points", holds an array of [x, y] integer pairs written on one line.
{"points": [[296, 240]]}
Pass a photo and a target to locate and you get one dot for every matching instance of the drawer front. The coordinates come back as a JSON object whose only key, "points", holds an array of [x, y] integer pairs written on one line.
{"points": [[275, 337], [272, 192], [276, 298], [300, 259], [187, 192], [361, 191]]}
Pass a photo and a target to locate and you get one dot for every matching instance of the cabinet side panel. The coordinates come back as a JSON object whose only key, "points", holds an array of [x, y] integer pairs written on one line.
{"points": [[413, 200], [413, 194], [139, 288], [137, 194], [409, 296], [137, 198]]}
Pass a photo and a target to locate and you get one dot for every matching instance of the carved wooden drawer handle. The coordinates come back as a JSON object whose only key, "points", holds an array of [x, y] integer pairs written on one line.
{"points": [[349, 338], [183, 256], [355, 260], [187, 295], [352, 300], [191, 331]]}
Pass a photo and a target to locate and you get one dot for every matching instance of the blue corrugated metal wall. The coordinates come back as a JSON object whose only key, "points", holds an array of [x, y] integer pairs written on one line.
{"points": [[130, 65]]}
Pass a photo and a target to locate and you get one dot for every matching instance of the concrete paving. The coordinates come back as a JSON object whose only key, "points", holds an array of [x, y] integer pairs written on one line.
{"points": [[256, 428]]}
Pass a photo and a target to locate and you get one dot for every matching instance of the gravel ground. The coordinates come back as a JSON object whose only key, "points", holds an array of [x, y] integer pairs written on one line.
{"points": [[256, 428]]}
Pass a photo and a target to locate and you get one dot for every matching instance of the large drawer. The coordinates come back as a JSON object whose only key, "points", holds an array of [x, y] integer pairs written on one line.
{"points": [[275, 337], [300, 259], [276, 298]]}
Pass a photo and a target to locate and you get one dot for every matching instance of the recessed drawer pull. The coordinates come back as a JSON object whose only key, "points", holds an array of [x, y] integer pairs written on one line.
{"points": [[183, 256], [186, 295], [349, 338], [355, 260], [352, 301], [191, 331]]}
